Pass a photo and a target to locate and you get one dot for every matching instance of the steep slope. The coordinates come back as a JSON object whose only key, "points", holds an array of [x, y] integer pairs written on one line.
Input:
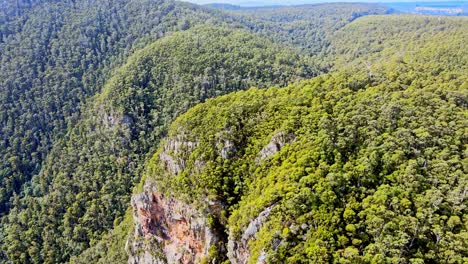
{"points": [[349, 167], [305, 26], [84, 155], [84, 186], [56, 54]]}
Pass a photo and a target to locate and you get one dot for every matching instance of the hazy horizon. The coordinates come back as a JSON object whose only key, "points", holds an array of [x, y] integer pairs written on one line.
{"points": [[299, 2]]}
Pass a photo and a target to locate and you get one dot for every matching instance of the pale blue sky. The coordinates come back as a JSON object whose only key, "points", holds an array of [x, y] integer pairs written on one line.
{"points": [[297, 2]]}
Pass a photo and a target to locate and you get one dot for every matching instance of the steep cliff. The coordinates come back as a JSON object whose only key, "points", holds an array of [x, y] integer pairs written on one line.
{"points": [[363, 165], [344, 167], [168, 230], [91, 172]]}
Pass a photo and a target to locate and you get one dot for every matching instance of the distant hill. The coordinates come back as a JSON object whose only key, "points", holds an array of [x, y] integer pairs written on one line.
{"points": [[360, 158], [451, 8], [443, 8], [224, 6]]}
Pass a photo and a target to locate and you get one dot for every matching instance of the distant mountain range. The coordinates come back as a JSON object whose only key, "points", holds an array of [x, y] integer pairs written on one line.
{"points": [[452, 8], [448, 8]]}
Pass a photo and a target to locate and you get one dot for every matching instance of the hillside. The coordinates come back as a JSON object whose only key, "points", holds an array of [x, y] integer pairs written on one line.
{"points": [[57, 54], [371, 40], [305, 26], [85, 99], [89, 174], [347, 167], [157, 131]]}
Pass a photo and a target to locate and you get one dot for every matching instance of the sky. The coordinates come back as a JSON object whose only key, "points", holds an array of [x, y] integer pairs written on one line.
{"points": [[296, 2]]}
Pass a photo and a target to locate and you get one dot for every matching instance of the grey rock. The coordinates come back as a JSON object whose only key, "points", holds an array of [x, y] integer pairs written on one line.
{"points": [[174, 154], [238, 248], [278, 141]]}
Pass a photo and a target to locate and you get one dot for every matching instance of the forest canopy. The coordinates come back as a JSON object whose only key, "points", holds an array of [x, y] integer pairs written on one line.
{"points": [[349, 167], [344, 123]]}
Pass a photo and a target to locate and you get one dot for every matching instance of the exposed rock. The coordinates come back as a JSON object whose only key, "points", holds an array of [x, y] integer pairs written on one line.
{"points": [[109, 118], [227, 148], [171, 156], [168, 231], [262, 258], [238, 248], [276, 143], [199, 165], [172, 165], [145, 258]]}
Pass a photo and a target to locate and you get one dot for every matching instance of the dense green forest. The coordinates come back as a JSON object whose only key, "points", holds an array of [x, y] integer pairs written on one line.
{"points": [[56, 54], [308, 26], [365, 168], [371, 161], [98, 160]]}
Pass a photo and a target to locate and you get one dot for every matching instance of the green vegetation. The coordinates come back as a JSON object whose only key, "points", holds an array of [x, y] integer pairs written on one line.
{"points": [[86, 181], [306, 26], [71, 150], [373, 167], [57, 55], [371, 40], [374, 170], [110, 249]]}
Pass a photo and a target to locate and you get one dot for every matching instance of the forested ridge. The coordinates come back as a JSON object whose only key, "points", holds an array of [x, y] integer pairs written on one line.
{"points": [[53, 59], [89, 173], [306, 26], [59, 53], [349, 167], [88, 89]]}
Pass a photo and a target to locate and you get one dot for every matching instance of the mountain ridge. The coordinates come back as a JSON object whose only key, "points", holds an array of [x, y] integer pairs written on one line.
{"points": [[89, 92]]}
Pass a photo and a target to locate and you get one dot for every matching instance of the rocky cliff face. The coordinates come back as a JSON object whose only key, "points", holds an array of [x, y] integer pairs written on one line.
{"points": [[168, 231], [174, 151], [277, 142], [238, 247]]}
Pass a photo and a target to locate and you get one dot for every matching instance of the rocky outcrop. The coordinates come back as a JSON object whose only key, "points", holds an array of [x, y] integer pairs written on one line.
{"points": [[227, 148], [224, 144], [168, 231], [238, 247], [276, 143], [172, 157]]}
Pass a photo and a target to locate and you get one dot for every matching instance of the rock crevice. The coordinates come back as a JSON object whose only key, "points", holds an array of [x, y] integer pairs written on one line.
{"points": [[167, 230]]}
